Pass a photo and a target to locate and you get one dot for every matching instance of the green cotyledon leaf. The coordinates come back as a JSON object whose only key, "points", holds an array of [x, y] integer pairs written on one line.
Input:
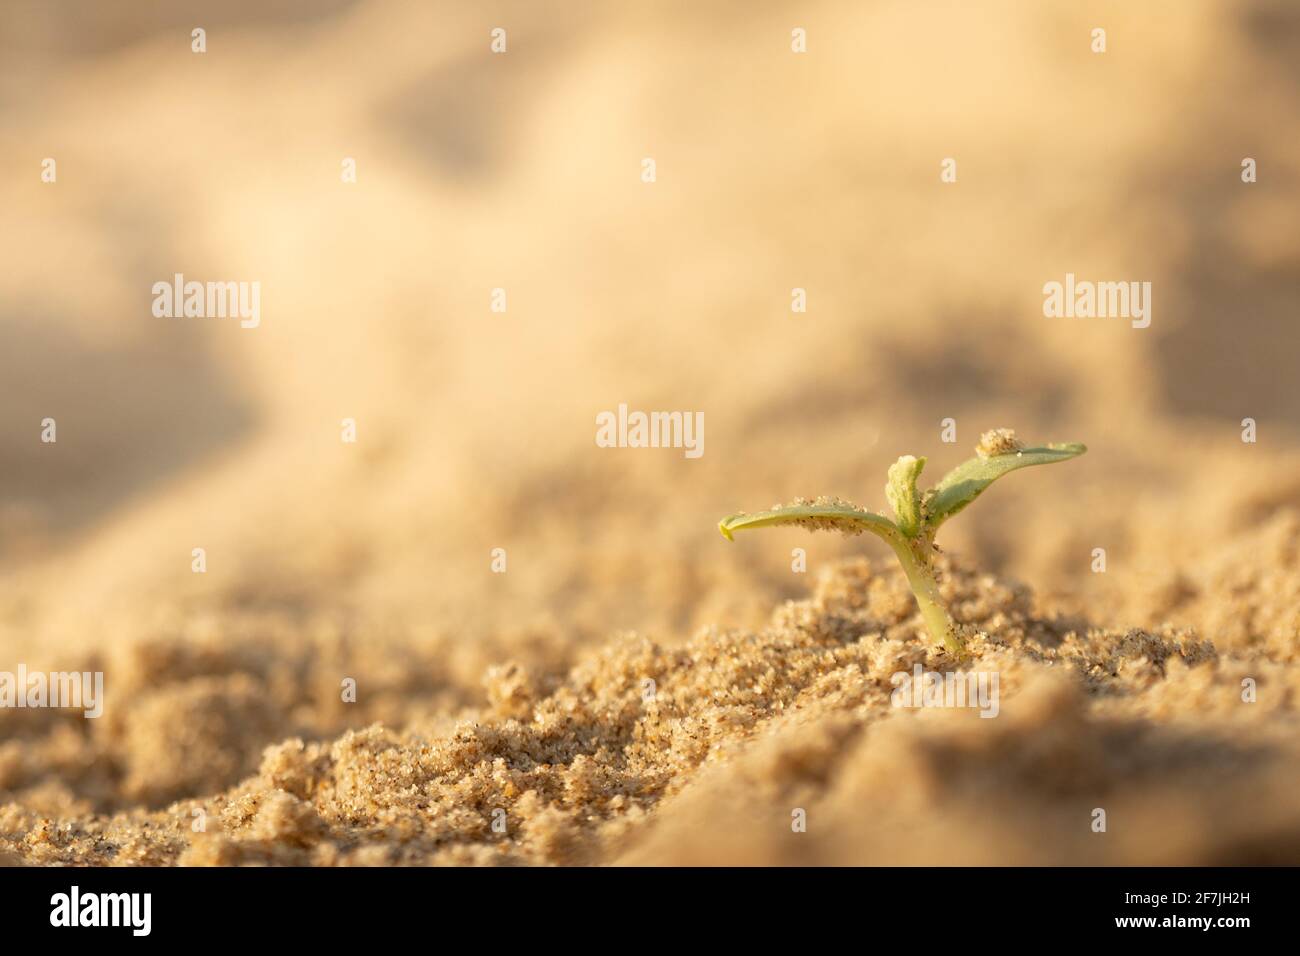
{"points": [[822, 514], [968, 480]]}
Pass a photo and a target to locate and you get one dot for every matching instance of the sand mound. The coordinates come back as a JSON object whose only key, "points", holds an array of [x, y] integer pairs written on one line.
{"points": [[641, 749]]}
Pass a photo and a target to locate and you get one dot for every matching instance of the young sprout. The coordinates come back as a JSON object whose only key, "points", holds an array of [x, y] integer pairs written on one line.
{"points": [[917, 516]]}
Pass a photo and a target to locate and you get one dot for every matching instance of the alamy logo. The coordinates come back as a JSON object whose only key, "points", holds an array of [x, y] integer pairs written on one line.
{"points": [[922, 688], [651, 430], [1102, 300], [211, 300], [82, 690], [103, 909]]}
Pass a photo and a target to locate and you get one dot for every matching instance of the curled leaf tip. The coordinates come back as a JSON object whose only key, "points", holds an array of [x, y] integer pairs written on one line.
{"points": [[902, 494], [726, 532]]}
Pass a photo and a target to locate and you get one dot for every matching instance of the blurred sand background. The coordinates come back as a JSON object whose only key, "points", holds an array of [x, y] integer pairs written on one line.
{"points": [[521, 690]]}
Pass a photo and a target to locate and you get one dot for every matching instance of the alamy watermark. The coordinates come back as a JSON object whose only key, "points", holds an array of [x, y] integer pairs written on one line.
{"points": [[922, 688], [79, 690], [1080, 299], [208, 300], [133, 911], [626, 429]]}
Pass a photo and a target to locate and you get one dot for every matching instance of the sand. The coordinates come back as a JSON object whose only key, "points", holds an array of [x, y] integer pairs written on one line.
{"points": [[708, 751], [634, 689]]}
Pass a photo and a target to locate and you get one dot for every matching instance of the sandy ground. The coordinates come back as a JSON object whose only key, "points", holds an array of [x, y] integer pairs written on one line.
{"points": [[507, 718]]}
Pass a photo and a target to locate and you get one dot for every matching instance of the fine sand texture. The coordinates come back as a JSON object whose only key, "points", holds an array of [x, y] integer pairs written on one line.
{"points": [[351, 681]]}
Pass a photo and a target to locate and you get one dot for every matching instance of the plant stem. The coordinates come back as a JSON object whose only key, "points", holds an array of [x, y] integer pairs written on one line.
{"points": [[928, 599]]}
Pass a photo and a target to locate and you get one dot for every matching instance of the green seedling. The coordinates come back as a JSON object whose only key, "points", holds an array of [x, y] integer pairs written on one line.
{"points": [[917, 515]]}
